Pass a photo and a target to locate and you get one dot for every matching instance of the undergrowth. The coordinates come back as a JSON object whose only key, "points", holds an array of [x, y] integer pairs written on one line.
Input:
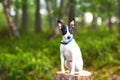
{"points": [[34, 57]]}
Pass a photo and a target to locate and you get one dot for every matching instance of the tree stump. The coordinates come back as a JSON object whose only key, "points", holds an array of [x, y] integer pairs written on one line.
{"points": [[67, 76]]}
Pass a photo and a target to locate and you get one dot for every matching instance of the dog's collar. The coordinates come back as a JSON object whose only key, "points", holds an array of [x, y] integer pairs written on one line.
{"points": [[66, 42]]}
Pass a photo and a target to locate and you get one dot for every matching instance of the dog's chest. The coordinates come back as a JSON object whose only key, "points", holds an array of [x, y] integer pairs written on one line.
{"points": [[67, 53], [67, 50]]}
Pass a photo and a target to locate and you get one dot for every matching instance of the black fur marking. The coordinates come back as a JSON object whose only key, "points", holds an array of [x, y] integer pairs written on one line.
{"points": [[64, 29]]}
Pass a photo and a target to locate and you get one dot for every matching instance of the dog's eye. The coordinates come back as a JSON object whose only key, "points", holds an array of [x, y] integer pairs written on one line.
{"points": [[64, 30]]}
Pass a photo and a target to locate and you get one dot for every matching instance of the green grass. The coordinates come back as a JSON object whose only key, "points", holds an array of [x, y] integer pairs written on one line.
{"points": [[33, 57]]}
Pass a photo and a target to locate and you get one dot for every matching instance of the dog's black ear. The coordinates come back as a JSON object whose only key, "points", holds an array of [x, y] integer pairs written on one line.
{"points": [[72, 23], [60, 24]]}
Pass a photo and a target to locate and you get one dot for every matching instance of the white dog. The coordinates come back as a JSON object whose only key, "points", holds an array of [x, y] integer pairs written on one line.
{"points": [[69, 49]]}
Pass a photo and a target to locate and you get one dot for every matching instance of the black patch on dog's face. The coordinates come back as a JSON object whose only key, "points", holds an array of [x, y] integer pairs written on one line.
{"points": [[64, 30]]}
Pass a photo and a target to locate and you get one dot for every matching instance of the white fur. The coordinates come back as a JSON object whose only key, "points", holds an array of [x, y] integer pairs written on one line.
{"points": [[71, 52], [71, 56], [66, 35]]}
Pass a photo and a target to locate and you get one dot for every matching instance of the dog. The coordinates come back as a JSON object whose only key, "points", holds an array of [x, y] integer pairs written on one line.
{"points": [[70, 53]]}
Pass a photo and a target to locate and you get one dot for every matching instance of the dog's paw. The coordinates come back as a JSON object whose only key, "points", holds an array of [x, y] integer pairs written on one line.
{"points": [[85, 73], [67, 71], [62, 71], [71, 73]]}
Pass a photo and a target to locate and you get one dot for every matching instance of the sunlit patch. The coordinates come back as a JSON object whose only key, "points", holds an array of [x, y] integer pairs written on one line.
{"points": [[99, 20], [114, 19], [88, 17], [43, 12], [77, 19], [12, 12]]}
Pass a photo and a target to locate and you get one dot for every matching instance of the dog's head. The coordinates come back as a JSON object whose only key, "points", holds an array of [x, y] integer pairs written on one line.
{"points": [[67, 30]]}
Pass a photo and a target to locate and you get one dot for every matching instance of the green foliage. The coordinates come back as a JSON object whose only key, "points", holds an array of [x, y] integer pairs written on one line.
{"points": [[28, 58], [33, 57], [3, 21], [99, 8], [99, 44]]}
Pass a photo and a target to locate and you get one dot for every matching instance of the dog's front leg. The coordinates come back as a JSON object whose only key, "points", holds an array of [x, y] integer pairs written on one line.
{"points": [[62, 63], [73, 65]]}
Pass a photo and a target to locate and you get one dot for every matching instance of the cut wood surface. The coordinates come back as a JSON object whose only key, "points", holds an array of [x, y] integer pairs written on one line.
{"points": [[68, 76]]}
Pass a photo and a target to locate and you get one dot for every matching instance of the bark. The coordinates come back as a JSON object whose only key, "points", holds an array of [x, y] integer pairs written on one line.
{"points": [[38, 25], [109, 17], [119, 18], [50, 17], [1, 0], [72, 10], [110, 23], [24, 14], [16, 11], [94, 22], [82, 23], [66, 12], [12, 26], [16, 16], [63, 17], [67, 76], [61, 8]]}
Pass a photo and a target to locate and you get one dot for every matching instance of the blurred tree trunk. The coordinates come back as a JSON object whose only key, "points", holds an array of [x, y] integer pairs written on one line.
{"points": [[50, 16], [66, 11], [94, 22], [38, 25], [82, 23], [110, 23], [61, 8], [72, 10], [109, 17], [64, 15], [12, 26], [16, 11], [24, 14], [119, 18]]}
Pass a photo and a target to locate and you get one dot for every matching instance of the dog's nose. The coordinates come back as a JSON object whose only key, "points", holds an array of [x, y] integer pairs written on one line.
{"points": [[68, 37]]}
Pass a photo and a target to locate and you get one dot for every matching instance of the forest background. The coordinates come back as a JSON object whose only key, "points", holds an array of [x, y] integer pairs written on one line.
{"points": [[30, 38]]}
